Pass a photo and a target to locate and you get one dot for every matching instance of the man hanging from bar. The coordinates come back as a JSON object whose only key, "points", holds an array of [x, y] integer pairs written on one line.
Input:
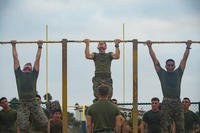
{"points": [[26, 85], [171, 108], [102, 62]]}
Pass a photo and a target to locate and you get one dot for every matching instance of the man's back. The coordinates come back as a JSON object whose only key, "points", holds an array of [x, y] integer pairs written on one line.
{"points": [[103, 114]]}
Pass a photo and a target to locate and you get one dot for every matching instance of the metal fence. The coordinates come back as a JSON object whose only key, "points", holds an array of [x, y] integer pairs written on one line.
{"points": [[126, 108]]}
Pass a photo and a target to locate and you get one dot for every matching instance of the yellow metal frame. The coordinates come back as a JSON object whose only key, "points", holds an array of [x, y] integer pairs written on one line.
{"points": [[64, 73], [64, 85], [47, 68], [135, 87]]}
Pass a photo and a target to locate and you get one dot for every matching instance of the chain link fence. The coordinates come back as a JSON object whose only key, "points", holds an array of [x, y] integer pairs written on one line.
{"points": [[126, 108]]}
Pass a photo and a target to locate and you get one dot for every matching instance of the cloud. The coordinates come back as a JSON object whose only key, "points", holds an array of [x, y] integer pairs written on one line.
{"points": [[77, 19]]}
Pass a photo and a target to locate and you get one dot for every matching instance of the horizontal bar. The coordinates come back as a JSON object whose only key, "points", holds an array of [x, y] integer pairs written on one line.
{"points": [[8, 42], [125, 104], [81, 41], [168, 42], [70, 41]]}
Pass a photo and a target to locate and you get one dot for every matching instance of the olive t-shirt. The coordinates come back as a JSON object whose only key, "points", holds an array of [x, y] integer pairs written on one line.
{"points": [[26, 83], [170, 82]]}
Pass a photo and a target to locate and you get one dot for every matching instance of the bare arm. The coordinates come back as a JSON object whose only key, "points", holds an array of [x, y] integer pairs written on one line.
{"points": [[186, 54], [89, 124], [48, 127], [153, 55], [142, 126], [88, 55], [38, 55], [116, 55], [15, 55], [17, 128], [118, 124]]}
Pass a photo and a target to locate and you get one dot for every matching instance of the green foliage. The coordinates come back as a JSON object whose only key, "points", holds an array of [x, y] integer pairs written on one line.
{"points": [[48, 95], [14, 103], [72, 121]]}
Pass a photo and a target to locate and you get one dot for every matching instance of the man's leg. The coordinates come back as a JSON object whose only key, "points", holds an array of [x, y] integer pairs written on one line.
{"points": [[23, 114], [96, 82], [39, 116], [179, 118], [165, 117], [110, 82]]}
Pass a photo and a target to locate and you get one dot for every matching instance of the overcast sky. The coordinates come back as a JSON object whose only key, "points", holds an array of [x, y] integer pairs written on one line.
{"points": [[100, 19]]}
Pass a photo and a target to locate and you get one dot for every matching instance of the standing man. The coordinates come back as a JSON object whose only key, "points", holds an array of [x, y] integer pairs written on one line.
{"points": [[35, 127], [102, 62], [192, 121], [151, 119], [26, 85], [8, 118], [103, 116], [55, 124], [171, 109], [122, 117]]}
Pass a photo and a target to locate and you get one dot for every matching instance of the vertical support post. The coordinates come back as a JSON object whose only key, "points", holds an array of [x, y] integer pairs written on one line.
{"points": [[64, 85], [47, 69], [135, 86], [124, 92], [199, 108]]}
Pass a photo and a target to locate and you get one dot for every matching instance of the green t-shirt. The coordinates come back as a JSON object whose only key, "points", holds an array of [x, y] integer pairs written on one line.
{"points": [[103, 114], [170, 82], [192, 121], [152, 119], [55, 128], [26, 83], [102, 62], [8, 121]]}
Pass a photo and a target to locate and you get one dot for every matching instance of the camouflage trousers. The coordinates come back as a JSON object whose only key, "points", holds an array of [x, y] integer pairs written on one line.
{"points": [[23, 115], [104, 131], [97, 81], [8, 131], [172, 111], [51, 106]]}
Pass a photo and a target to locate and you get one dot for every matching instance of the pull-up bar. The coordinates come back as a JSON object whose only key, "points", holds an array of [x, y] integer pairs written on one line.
{"points": [[135, 72], [81, 41]]}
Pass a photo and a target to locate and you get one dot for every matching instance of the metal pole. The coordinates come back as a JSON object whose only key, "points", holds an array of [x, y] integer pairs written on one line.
{"points": [[124, 41], [199, 108], [64, 85], [124, 64], [47, 87], [135, 87]]}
